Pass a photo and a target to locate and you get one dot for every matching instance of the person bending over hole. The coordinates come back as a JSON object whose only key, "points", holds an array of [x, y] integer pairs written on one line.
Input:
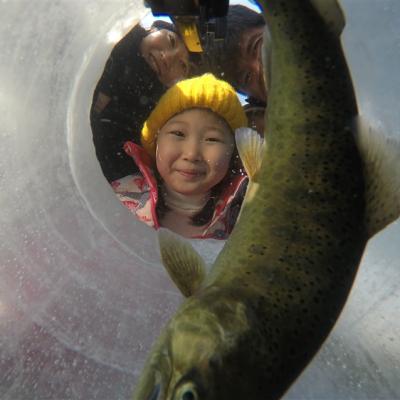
{"points": [[189, 179], [139, 70], [238, 60]]}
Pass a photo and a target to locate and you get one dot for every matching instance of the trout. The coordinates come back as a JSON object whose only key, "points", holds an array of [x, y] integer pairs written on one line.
{"points": [[250, 327]]}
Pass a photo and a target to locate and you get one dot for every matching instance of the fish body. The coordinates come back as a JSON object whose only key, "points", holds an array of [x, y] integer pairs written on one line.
{"points": [[248, 329]]}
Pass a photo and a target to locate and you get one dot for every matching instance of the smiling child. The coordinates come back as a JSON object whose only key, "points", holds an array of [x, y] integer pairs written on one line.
{"points": [[189, 182]]}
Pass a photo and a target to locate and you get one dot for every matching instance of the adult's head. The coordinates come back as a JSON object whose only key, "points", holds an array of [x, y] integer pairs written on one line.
{"points": [[127, 92], [166, 54], [140, 68], [239, 61]]}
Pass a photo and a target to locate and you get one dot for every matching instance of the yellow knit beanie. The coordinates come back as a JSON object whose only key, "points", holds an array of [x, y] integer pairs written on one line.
{"points": [[204, 91]]}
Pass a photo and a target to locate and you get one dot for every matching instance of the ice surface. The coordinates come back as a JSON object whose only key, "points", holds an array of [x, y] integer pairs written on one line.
{"points": [[82, 292]]}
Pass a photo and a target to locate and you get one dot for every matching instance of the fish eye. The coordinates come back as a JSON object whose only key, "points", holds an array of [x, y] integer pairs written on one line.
{"points": [[187, 392], [188, 395]]}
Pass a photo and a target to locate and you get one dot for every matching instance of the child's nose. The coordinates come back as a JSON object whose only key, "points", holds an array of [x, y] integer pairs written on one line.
{"points": [[192, 151]]}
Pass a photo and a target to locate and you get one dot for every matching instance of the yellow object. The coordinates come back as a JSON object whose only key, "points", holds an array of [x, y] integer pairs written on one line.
{"points": [[189, 33], [204, 91]]}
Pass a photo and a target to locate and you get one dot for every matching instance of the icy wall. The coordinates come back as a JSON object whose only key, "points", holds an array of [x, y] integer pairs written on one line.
{"points": [[82, 293]]}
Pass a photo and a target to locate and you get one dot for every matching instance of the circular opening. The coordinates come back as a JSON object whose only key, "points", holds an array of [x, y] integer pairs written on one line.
{"points": [[125, 78]]}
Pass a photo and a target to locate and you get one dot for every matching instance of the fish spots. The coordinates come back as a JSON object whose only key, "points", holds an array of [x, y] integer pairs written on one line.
{"points": [[278, 176], [257, 249], [268, 211], [296, 194], [282, 231]]}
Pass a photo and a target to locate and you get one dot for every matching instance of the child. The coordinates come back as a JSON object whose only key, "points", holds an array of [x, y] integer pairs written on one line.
{"points": [[194, 189]]}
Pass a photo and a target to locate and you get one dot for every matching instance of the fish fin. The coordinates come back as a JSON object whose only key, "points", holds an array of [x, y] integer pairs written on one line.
{"points": [[381, 159], [183, 264], [331, 13], [251, 147]]}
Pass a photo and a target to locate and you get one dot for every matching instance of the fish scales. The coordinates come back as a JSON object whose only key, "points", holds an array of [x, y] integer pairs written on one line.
{"points": [[282, 278], [311, 190], [301, 238]]}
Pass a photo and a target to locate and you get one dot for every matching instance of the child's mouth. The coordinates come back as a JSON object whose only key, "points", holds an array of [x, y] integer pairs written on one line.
{"points": [[190, 174]]}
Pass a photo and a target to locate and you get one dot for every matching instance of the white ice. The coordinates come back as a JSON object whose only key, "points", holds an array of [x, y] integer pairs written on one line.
{"points": [[82, 291]]}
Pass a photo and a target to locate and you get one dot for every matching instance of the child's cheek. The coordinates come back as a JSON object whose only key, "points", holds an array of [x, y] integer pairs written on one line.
{"points": [[225, 157], [220, 165], [166, 155]]}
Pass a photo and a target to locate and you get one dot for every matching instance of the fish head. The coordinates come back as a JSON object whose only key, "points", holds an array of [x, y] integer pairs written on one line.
{"points": [[196, 357]]}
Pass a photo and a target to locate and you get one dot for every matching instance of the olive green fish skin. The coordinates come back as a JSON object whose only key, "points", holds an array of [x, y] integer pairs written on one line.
{"points": [[299, 242], [282, 278]]}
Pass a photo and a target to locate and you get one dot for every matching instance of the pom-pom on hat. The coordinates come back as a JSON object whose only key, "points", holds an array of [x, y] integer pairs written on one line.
{"points": [[203, 91]]}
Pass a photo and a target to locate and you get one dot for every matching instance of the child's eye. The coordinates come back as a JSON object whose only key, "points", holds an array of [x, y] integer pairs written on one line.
{"points": [[177, 133], [213, 140]]}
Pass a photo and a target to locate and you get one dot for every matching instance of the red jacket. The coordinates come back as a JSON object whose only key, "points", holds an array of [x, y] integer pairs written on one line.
{"points": [[139, 193]]}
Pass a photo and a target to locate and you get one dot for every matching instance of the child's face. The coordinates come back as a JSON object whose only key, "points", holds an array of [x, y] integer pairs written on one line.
{"points": [[194, 149]]}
